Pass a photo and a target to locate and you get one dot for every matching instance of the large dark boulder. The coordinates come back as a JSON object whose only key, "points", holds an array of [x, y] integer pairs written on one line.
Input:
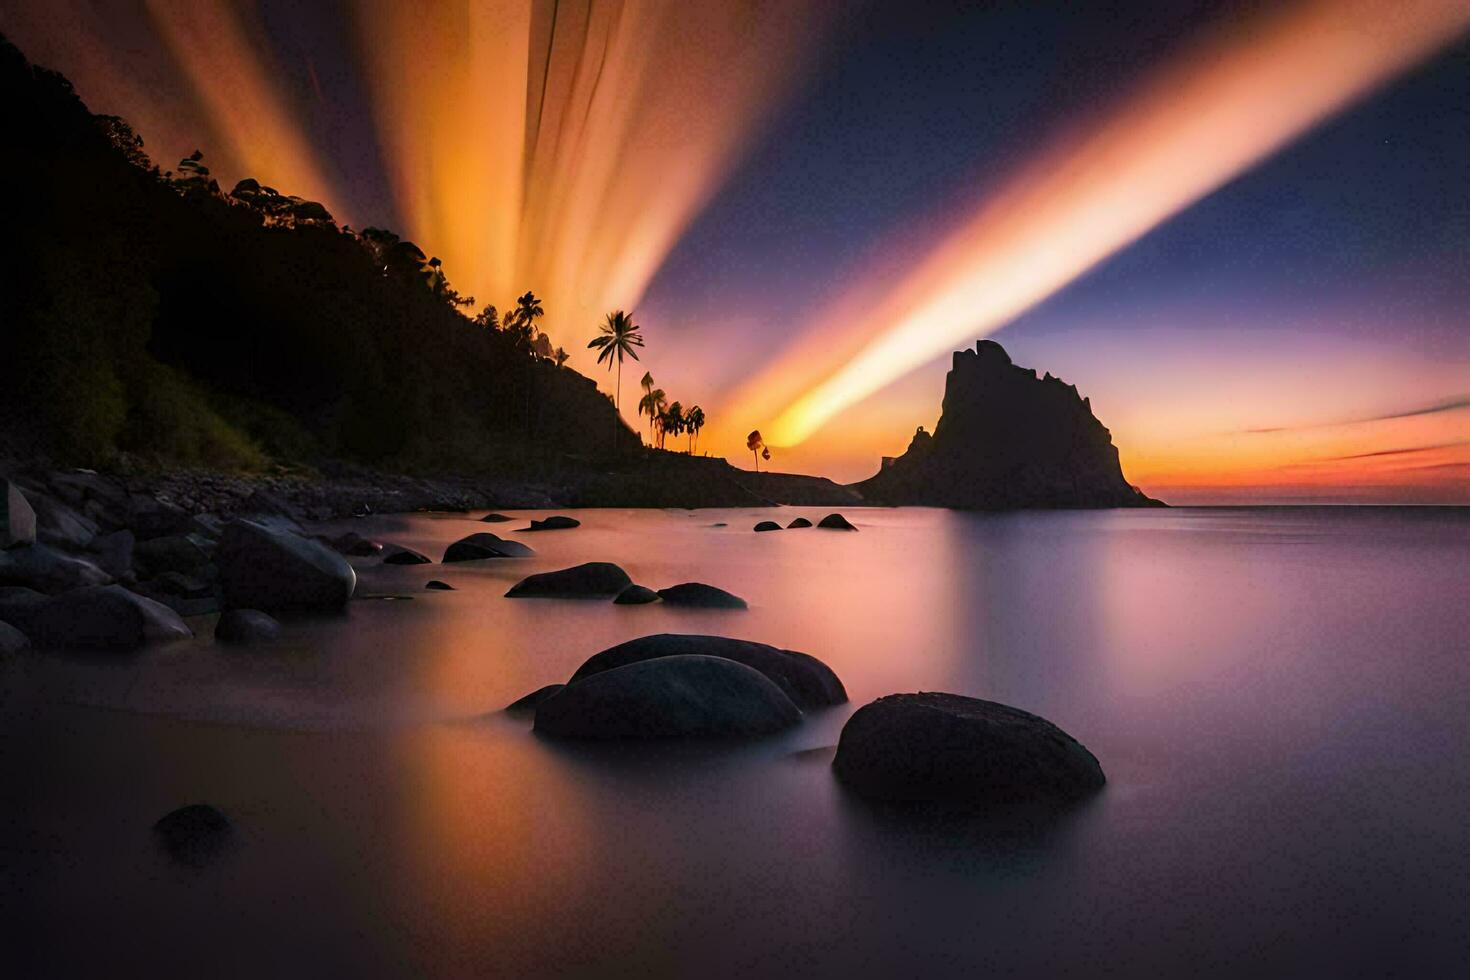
{"points": [[700, 596], [404, 556], [60, 526], [798, 523], [483, 545], [193, 834], [767, 526], [43, 568], [353, 544], [149, 517], [593, 580], [172, 553], [17, 517], [114, 553], [556, 522], [949, 748], [246, 626], [670, 697], [105, 617], [805, 679], [260, 568], [835, 522]]}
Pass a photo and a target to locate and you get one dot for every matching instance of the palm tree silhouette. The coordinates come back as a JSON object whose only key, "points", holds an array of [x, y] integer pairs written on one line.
{"points": [[561, 356], [694, 420], [755, 444], [618, 336], [651, 404]]}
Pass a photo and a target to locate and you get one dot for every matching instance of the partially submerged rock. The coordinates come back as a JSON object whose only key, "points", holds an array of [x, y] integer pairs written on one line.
{"points": [[670, 697], [353, 544], [496, 519], [700, 596], [556, 522], [950, 748], [43, 568], [266, 569], [592, 580], [246, 626], [17, 517], [482, 545], [805, 679], [636, 595], [193, 834], [105, 618], [400, 555], [767, 526], [438, 586], [531, 701], [835, 522], [799, 522]]}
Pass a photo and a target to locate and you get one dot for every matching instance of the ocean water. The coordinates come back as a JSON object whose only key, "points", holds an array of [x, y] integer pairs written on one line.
{"points": [[1280, 699]]}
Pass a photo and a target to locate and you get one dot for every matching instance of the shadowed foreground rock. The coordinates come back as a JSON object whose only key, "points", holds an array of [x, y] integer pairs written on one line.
{"points": [[193, 834], [592, 580], [12, 640], [532, 701], [246, 626], [260, 568], [405, 556], [805, 679], [948, 748], [107, 618], [557, 522], [43, 568], [670, 697], [636, 595], [482, 545], [697, 595]]}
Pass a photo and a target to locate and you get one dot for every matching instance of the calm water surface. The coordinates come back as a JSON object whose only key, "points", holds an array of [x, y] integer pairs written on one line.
{"points": [[1280, 698]]}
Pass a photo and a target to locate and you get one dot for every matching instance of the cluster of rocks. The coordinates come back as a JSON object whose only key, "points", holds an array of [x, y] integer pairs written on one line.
{"points": [[904, 748], [604, 580], [87, 565], [832, 522]]}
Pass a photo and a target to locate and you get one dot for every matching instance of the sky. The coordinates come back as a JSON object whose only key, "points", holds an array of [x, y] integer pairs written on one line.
{"points": [[1242, 229]]}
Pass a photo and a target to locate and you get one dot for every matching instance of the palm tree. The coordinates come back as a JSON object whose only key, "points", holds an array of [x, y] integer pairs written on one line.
{"points": [[560, 356], [695, 421], [618, 336], [521, 322], [755, 444], [651, 405], [676, 423]]}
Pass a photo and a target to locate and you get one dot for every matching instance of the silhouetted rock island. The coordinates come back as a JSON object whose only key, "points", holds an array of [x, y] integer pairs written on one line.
{"points": [[1007, 439]]}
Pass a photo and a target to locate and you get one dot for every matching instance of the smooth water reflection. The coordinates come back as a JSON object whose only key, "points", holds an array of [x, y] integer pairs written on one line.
{"points": [[1280, 698]]}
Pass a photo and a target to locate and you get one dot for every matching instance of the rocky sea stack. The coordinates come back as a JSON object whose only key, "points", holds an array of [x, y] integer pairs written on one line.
{"points": [[1007, 439]]}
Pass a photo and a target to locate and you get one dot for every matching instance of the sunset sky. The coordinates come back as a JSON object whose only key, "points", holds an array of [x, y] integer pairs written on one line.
{"points": [[1242, 229]]}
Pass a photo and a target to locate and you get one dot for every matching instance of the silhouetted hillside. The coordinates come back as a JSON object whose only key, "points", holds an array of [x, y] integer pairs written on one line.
{"points": [[1007, 439], [150, 313]]}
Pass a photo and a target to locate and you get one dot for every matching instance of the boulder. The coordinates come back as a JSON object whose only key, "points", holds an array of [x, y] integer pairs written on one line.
{"points": [[438, 586], [17, 518], [950, 748], [149, 517], [669, 697], [246, 626], [60, 526], [193, 834], [496, 519], [807, 681], [636, 595], [41, 567], [554, 523], [799, 522], [171, 553], [768, 526], [399, 555], [700, 596], [352, 543], [114, 553], [20, 606], [105, 617], [260, 568], [835, 522], [593, 580], [531, 701], [485, 545], [12, 640], [187, 586]]}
